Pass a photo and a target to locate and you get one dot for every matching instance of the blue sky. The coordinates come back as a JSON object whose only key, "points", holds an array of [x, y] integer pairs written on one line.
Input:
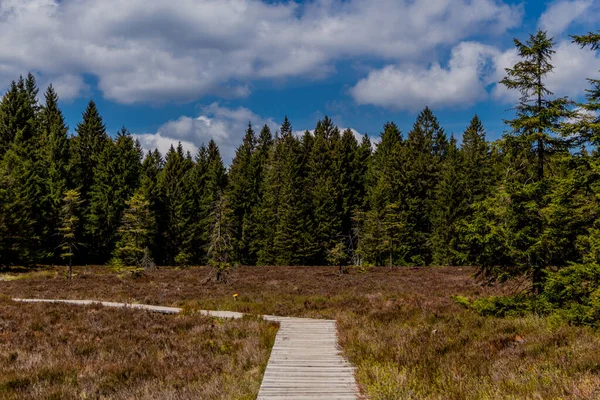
{"points": [[191, 70]]}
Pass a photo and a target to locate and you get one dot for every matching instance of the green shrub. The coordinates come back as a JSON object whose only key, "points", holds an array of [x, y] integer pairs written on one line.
{"points": [[572, 294]]}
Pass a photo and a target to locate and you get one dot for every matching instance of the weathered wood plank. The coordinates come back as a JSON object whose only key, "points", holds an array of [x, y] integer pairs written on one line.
{"points": [[306, 363]]}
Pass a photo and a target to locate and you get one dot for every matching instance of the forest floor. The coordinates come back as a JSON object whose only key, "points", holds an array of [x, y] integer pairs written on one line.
{"points": [[400, 326]]}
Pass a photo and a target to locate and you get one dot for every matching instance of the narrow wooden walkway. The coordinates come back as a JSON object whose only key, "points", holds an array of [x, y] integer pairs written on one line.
{"points": [[305, 363]]}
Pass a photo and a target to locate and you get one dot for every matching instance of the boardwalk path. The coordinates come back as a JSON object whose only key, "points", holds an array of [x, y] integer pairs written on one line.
{"points": [[305, 361]]}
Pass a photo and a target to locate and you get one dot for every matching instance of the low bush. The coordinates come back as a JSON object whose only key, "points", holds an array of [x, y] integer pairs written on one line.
{"points": [[572, 294]]}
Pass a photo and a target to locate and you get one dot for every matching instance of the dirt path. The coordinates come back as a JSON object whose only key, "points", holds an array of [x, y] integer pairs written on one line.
{"points": [[305, 363]]}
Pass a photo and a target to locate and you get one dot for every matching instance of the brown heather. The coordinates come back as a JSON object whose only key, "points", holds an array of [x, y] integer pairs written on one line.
{"points": [[67, 352], [399, 326]]}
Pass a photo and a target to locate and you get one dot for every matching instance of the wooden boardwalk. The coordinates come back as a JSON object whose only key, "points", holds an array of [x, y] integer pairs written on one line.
{"points": [[305, 363]]}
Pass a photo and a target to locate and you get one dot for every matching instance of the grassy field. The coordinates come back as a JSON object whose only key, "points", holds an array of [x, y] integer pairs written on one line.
{"points": [[50, 351], [399, 326]]}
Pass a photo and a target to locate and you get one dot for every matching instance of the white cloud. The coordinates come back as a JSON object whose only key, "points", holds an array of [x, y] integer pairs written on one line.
{"points": [[68, 86], [472, 75], [572, 65], [226, 126], [151, 141], [155, 51], [412, 87], [560, 14]]}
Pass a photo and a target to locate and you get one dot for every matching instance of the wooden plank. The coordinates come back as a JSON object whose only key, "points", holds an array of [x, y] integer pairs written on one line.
{"points": [[306, 363]]}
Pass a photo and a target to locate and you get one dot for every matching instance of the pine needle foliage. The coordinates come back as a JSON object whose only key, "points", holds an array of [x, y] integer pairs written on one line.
{"points": [[67, 230]]}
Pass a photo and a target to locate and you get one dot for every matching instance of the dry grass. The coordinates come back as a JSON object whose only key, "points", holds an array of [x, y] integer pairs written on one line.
{"points": [[400, 327], [50, 351]]}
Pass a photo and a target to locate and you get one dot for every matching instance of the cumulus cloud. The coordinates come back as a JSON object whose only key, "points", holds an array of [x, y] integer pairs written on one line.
{"points": [[461, 83], [68, 86], [572, 65], [225, 125], [151, 141], [472, 75], [155, 51], [560, 14]]}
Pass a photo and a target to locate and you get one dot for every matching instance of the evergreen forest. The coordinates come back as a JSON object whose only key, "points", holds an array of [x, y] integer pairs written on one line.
{"points": [[522, 204]]}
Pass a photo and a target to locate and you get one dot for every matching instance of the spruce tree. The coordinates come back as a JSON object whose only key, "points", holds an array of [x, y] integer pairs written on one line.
{"points": [[592, 39], [449, 208], [54, 157], [26, 205], [69, 222], [323, 184], [476, 161], [11, 117], [136, 231], [532, 140], [242, 192], [538, 117], [173, 193], [584, 129], [86, 148], [56, 142], [426, 148], [383, 196], [149, 188], [195, 212], [349, 182], [287, 241], [479, 180], [252, 224], [268, 215], [116, 177], [221, 241]]}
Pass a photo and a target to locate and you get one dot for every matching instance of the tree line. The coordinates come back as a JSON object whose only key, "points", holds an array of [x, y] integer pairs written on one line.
{"points": [[516, 205]]}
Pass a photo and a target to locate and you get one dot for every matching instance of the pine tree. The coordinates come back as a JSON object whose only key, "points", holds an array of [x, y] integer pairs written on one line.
{"points": [[476, 161], [11, 116], [69, 216], [570, 206], [592, 39], [25, 207], [323, 180], [252, 224], [426, 149], [267, 213], [56, 144], [585, 127], [449, 209], [532, 141], [348, 173], [243, 193], [173, 192], [86, 148], [196, 211], [116, 177], [220, 245], [149, 188], [537, 117], [478, 179], [287, 241], [215, 183], [54, 157], [383, 195], [136, 231], [17, 218]]}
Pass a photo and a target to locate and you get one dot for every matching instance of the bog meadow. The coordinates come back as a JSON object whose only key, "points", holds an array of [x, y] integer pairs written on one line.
{"points": [[451, 266]]}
